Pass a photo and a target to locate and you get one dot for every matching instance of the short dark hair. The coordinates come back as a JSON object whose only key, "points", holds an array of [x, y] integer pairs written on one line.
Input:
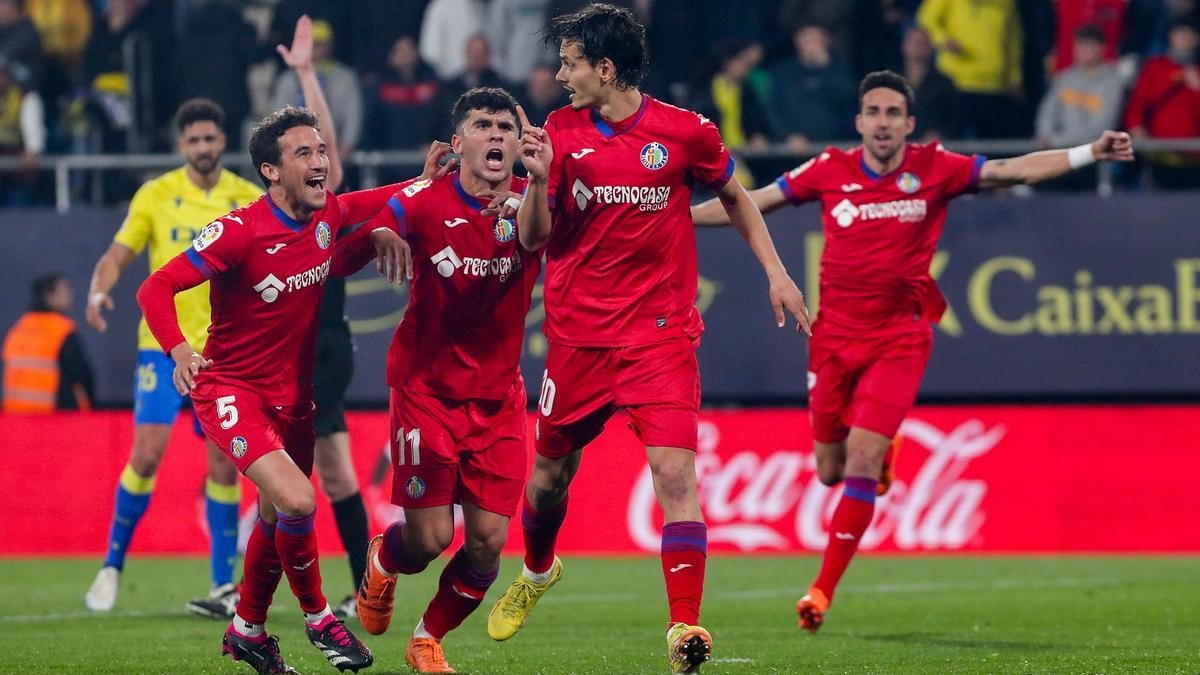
{"points": [[264, 139], [198, 110], [605, 31], [44, 285], [490, 99], [887, 79], [1090, 31]]}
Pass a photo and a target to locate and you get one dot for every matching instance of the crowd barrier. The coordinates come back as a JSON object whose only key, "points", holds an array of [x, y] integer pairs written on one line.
{"points": [[994, 479]]}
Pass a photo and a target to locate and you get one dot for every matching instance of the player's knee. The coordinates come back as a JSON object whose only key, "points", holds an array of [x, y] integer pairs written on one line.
{"points": [[829, 474], [484, 548], [676, 480], [299, 501], [336, 484], [549, 482], [429, 544], [864, 459]]}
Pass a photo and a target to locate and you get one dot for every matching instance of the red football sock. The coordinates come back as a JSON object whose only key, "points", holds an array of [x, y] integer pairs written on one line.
{"points": [[850, 520], [262, 570], [297, 544], [541, 532], [460, 590], [684, 551]]}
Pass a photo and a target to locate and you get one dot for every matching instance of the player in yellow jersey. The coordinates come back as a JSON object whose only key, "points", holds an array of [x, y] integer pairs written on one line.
{"points": [[164, 217]]}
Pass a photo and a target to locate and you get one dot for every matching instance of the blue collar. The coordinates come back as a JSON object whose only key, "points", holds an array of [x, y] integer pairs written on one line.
{"points": [[862, 162], [606, 129], [467, 198], [286, 220]]}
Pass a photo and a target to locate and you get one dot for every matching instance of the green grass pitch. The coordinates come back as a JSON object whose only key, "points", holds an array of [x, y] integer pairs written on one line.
{"points": [[916, 614]]}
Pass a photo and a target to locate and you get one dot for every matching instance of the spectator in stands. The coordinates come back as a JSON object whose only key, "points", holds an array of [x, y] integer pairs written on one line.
{"points": [[514, 33], [1107, 16], [1085, 99], [543, 94], [223, 77], [64, 27], [375, 25], [732, 101], [339, 14], [402, 102], [447, 28], [980, 49], [834, 15], [45, 366], [1166, 104], [22, 134], [813, 94], [20, 45], [478, 73], [106, 75], [937, 107], [338, 81]]}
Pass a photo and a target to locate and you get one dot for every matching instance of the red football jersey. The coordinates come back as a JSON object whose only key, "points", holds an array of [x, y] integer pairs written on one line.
{"points": [[881, 231], [621, 261], [472, 281], [267, 272]]}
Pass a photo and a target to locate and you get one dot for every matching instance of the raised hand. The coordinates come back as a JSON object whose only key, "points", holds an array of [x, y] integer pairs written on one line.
{"points": [[536, 151], [300, 54], [434, 169], [1113, 145]]}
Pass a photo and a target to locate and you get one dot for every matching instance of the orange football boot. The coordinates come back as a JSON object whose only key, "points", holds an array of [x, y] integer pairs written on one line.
{"points": [[375, 593], [425, 656], [887, 473], [811, 609]]}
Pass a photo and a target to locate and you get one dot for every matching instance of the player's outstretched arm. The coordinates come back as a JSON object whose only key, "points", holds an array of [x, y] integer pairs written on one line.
{"points": [[299, 59], [1047, 164], [104, 276], [712, 213], [748, 220], [537, 153], [157, 300]]}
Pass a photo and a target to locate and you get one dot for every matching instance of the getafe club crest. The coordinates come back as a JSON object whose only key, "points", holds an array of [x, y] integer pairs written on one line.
{"points": [[908, 182], [324, 235], [238, 447], [415, 487], [504, 230], [654, 156]]}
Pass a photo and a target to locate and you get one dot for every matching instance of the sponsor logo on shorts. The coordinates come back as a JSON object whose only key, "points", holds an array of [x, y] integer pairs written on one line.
{"points": [[504, 230], [324, 235], [415, 487], [238, 447], [654, 156]]}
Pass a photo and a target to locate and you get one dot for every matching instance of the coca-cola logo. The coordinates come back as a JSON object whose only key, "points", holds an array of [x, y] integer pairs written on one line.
{"points": [[762, 501]]}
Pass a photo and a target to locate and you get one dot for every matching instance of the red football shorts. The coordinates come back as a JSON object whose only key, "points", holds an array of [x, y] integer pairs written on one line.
{"points": [[245, 427], [446, 451], [864, 381], [659, 383]]}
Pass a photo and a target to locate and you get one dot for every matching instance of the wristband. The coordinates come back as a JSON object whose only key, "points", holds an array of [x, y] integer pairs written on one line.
{"points": [[1080, 156]]}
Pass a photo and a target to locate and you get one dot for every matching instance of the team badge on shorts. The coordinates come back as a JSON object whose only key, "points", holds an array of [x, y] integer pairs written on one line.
{"points": [[654, 156], [324, 235], [504, 230], [238, 447], [908, 182], [415, 487]]}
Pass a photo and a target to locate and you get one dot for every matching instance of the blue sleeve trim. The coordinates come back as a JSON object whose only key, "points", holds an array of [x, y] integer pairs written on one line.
{"points": [[720, 182], [398, 211], [976, 169], [787, 189], [198, 262]]}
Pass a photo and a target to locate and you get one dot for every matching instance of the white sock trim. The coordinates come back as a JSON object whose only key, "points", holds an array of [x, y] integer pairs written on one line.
{"points": [[420, 632], [379, 567], [250, 630], [537, 577], [314, 619]]}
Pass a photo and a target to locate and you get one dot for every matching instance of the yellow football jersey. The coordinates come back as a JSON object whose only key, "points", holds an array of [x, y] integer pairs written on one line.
{"points": [[166, 214]]}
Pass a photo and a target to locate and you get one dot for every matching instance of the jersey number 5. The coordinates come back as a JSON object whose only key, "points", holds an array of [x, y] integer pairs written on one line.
{"points": [[226, 412], [413, 438]]}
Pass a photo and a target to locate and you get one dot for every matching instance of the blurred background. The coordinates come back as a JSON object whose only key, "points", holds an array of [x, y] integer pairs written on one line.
{"points": [[1070, 343]]}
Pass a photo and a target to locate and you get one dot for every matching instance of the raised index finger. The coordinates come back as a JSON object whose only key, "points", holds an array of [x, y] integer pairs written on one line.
{"points": [[522, 118]]}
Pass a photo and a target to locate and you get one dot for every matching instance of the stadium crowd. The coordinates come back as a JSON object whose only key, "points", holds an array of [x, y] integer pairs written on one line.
{"points": [[104, 76]]}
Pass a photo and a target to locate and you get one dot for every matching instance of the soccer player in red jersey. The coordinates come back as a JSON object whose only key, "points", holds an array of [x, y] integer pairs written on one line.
{"points": [[611, 180], [252, 390], [883, 206], [457, 398]]}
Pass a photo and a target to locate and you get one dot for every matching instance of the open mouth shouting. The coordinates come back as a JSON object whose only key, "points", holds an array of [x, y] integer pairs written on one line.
{"points": [[316, 184], [493, 160]]}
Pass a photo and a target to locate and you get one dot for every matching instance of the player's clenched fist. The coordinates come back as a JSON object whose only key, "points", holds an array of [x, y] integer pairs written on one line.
{"points": [[1113, 145], [187, 364], [536, 150]]}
